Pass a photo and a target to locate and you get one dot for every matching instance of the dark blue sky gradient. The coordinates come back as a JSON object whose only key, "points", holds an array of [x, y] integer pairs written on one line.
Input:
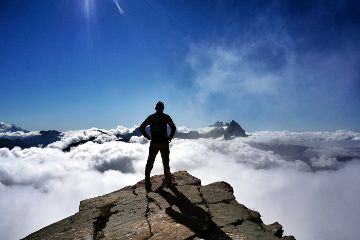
{"points": [[284, 64]]}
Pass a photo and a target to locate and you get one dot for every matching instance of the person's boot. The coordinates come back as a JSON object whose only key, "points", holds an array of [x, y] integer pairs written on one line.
{"points": [[168, 180], [147, 185]]}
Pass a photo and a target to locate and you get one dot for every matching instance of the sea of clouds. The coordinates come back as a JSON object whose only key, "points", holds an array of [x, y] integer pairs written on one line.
{"points": [[307, 181], [18, 135]]}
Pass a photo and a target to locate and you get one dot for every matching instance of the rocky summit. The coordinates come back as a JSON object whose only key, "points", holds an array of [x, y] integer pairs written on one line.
{"points": [[186, 210]]}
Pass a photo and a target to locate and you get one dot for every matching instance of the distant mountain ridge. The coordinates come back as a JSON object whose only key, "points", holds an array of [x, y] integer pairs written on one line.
{"points": [[219, 129], [4, 127], [12, 138]]}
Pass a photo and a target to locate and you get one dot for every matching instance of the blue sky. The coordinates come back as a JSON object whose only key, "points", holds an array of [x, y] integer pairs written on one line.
{"points": [[270, 65]]}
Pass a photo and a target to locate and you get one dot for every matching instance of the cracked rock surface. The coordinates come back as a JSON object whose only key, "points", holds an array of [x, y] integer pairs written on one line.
{"points": [[185, 211]]}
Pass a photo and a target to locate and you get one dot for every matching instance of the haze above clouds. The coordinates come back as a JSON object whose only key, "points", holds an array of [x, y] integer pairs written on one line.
{"points": [[307, 181]]}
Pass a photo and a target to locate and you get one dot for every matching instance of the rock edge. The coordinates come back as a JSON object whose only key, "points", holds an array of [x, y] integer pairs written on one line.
{"points": [[186, 211]]}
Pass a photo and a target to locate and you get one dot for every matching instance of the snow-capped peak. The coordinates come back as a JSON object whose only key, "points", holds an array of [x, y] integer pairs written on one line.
{"points": [[4, 127]]}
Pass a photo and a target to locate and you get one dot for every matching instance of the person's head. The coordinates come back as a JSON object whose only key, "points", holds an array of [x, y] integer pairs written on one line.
{"points": [[159, 107]]}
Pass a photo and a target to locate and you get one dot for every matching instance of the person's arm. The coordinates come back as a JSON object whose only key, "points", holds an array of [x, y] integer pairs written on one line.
{"points": [[172, 127], [143, 126]]}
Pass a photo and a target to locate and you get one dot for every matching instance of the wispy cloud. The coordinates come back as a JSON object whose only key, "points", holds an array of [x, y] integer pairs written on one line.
{"points": [[228, 71], [18, 134], [267, 73]]}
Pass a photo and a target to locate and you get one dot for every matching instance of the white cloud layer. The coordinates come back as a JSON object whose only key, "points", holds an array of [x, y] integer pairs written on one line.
{"points": [[94, 134], [18, 134], [309, 182]]}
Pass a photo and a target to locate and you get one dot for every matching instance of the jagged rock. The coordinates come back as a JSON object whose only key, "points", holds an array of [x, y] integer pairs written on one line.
{"points": [[234, 130], [217, 192], [228, 130], [185, 211]]}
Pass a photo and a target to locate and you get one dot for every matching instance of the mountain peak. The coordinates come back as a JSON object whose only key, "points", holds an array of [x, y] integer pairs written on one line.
{"points": [[4, 127], [230, 129], [187, 210], [234, 129]]}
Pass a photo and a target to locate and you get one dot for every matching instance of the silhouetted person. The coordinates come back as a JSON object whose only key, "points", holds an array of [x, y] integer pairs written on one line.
{"points": [[159, 142]]}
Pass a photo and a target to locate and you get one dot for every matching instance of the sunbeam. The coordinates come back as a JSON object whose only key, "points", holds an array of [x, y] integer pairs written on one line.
{"points": [[88, 8]]}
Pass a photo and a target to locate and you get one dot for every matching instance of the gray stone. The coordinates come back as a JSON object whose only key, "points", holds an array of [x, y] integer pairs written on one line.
{"points": [[252, 231], [276, 228], [217, 192], [191, 192], [228, 213]]}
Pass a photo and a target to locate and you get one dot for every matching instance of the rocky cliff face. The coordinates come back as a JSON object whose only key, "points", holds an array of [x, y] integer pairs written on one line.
{"points": [[185, 211]]}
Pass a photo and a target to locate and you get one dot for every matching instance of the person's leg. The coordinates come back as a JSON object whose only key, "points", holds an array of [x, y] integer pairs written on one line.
{"points": [[165, 155], [153, 150]]}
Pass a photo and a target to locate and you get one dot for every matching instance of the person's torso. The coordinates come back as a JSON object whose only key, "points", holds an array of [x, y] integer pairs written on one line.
{"points": [[158, 127]]}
